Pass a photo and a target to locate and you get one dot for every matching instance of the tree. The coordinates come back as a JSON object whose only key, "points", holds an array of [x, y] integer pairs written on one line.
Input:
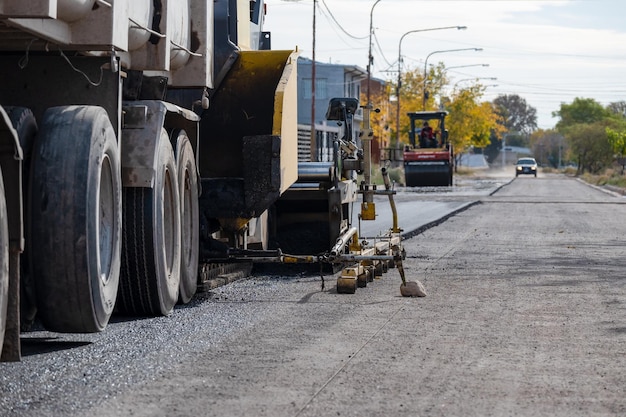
{"points": [[616, 131], [548, 145], [581, 110], [411, 95], [380, 119], [515, 138], [583, 123], [516, 114], [617, 140], [436, 80], [492, 150], [471, 122], [617, 108], [589, 145]]}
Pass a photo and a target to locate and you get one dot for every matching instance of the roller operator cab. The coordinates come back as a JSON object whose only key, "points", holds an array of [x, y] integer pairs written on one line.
{"points": [[138, 138], [429, 159]]}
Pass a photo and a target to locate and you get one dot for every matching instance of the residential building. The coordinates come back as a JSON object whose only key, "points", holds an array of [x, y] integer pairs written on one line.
{"points": [[331, 80]]}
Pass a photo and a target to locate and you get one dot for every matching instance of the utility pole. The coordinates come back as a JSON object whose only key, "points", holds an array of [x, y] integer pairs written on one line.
{"points": [[370, 58], [313, 134]]}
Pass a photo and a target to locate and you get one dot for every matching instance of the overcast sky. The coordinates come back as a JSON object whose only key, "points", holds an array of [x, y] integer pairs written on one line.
{"points": [[548, 52]]}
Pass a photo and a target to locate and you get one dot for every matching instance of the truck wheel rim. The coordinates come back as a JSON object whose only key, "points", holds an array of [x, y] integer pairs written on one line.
{"points": [[107, 213]]}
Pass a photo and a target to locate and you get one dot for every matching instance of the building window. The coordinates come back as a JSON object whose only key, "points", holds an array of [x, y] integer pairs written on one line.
{"points": [[352, 87], [320, 88]]}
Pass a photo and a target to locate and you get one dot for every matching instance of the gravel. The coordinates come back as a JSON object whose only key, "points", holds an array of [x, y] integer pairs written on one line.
{"points": [[524, 316]]}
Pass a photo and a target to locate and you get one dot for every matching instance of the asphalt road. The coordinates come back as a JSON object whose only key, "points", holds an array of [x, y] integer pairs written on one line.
{"points": [[422, 207], [525, 315]]}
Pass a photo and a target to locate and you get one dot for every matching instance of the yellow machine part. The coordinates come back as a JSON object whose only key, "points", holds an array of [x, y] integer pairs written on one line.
{"points": [[258, 96], [285, 121], [248, 144], [368, 211]]}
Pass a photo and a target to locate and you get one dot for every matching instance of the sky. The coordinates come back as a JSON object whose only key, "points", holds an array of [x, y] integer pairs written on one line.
{"points": [[547, 52]]}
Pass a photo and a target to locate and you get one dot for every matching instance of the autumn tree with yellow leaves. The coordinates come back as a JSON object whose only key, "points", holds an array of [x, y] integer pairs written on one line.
{"points": [[411, 98], [471, 121], [381, 112]]}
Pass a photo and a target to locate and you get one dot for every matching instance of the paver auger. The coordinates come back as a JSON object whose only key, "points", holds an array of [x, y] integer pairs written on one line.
{"points": [[317, 209]]}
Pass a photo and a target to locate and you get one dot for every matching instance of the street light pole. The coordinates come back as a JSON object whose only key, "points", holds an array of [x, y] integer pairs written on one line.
{"points": [[399, 85], [424, 94], [474, 79], [466, 66], [370, 59]]}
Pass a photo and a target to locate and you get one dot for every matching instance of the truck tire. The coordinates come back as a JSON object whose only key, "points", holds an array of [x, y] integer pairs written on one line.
{"points": [[4, 262], [24, 123], [76, 219], [189, 215], [150, 275]]}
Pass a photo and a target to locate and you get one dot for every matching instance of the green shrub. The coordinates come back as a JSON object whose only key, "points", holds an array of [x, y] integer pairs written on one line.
{"points": [[396, 175], [569, 171], [608, 177]]}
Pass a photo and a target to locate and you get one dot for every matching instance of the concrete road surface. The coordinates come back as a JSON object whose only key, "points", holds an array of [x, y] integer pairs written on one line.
{"points": [[525, 316]]}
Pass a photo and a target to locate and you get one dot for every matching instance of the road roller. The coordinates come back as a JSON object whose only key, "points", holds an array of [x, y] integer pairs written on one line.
{"points": [[429, 158]]}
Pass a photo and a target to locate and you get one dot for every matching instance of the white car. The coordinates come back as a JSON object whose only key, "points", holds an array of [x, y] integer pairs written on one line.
{"points": [[526, 166]]}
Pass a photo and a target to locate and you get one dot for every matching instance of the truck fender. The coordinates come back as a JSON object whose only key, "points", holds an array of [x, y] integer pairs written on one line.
{"points": [[141, 128]]}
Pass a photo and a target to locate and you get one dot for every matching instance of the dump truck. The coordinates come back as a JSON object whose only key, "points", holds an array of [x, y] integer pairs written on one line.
{"points": [[141, 140], [137, 137], [429, 158]]}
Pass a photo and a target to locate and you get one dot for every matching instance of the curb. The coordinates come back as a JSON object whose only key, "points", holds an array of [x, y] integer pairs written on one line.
{"points": [[608, 189]]}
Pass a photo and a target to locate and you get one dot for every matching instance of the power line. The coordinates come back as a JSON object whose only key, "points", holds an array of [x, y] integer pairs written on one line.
{"points": [[339, 25], [380, 51]]}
